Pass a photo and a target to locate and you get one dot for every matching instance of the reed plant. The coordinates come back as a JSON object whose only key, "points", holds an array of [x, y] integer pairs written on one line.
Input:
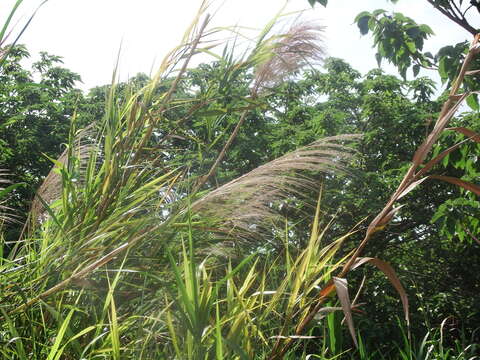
{"points": [[111, 262], [126, 255]]}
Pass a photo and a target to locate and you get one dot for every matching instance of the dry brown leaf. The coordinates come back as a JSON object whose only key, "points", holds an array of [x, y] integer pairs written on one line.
{"points": [[425, 148], [410, 187], [472, 135], [341, 286], [386, 219], [430, 164], [392, 276], [456, 181]]}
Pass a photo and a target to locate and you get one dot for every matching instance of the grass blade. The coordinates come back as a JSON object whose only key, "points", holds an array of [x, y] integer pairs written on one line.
{"points": [[18, 340], [341, 287], [387, 269], [59, 337]]}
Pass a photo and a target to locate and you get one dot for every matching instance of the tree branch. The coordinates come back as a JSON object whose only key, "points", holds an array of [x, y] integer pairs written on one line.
{"points": [[462, 22]]}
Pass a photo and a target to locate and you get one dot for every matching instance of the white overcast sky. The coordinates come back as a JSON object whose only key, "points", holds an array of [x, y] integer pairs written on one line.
{"points": [[88, 33]]}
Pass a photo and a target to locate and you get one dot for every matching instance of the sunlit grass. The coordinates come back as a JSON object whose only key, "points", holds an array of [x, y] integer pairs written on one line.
{"points": [[110, 263], [124, 255]]}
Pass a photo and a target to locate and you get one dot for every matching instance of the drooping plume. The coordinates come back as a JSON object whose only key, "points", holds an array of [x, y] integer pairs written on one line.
{"points": [[244, 205], [284, 55]]}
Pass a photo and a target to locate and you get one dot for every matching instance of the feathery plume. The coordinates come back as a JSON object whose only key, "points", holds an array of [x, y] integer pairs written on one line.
{"points": [[244, 205], [286, 54]]}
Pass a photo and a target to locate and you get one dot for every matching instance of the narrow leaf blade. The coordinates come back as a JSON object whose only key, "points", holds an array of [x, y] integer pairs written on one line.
{"points": [[387, 269], [472, 135], [341, 286], [456, 181]]}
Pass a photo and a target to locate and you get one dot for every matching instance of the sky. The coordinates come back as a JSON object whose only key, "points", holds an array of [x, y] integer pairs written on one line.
{"points": [[88, 33]]}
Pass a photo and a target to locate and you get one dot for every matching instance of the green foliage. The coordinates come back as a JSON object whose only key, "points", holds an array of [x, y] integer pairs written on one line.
{"points": [[321, 2], [134, 251], [37, 108], [393, 114], [5, 51], [397, 38], [458, 217], [449, 60], [400, 40], [242, 313]]}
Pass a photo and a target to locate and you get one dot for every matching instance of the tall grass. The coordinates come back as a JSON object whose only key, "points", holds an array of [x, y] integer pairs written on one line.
{"points": [[123, 254], [112, 260], [243, 312]]}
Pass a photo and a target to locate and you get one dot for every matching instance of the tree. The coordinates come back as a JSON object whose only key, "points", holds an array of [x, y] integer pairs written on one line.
{"points": [[37, 107], [400, 40], [5, 34]]}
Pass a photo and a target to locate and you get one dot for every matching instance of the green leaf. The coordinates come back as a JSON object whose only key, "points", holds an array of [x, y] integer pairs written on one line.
{"points": [[442, 70], [363, 24], [416, 70], [378, 57], [372, 23], [59, 337], [426, 29], [321, 2], [218, 334], [413, 32], [378, 12], [362, 14], [411, 46], [472, 102], [114, 332]]}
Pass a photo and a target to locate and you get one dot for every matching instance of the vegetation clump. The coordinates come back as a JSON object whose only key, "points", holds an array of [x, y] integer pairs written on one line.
{"points": [[215, 212]]}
